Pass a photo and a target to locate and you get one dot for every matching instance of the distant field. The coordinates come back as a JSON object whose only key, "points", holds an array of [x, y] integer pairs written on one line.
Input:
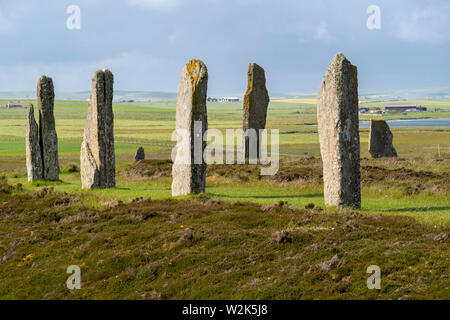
{"points": [[300, 100], [152, 123], [430, 104]]}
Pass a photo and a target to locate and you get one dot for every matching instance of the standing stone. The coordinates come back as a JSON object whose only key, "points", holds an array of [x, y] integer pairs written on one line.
{"points": [[140, 154], [189, 168], [256, 101], [337, 115], [34, 157], [380, 140], [97, 157], [47, 132]]}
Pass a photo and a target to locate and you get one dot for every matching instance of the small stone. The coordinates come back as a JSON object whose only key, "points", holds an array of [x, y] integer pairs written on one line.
{"points": [[140, 154], [310, 206], [351, 225], [187, 236], [380, 140], [329, 265], [254, 282], [280, 237], [313, 247], [441, 237], [268, 207]]}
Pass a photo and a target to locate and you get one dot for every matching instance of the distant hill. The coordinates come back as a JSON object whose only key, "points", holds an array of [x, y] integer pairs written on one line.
{"points": [[388, 94], [122, 95], [407, 94]]}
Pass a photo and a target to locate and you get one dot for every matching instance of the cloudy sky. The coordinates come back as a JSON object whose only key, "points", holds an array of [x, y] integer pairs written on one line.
{"points": [[147, 42]]}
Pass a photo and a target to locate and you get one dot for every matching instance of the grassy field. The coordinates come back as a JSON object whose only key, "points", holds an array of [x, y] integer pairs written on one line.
{"points": [[220, 245], [153, 123]]}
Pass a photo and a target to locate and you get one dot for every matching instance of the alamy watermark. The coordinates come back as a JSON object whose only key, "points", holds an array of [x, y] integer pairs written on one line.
{"points": [[74, 280], [374, 281], [73, 22], [374, 20], [219, 144]]}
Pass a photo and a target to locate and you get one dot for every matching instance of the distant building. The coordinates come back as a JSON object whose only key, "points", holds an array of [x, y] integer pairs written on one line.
{"points": [[12, 105], [405, 108], [229, 99], [363, 110]]}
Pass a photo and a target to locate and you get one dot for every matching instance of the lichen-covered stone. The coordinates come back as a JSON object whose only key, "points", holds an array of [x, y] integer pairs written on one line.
{"points": [[140, 154], [256, 101], [338, 124], [97, 156], [33, 149], [189, 168], [380, 140], [47, 131]]}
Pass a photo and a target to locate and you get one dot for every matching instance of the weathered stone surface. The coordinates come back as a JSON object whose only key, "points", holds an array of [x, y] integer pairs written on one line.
{"points": [[189, 168], [380, 140], [97, 156], [140, 154], [337, 115], [47, 131], [256, 101], [33, 149]]}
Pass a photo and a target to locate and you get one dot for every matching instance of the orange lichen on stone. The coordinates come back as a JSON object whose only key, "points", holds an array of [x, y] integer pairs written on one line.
{"points": [[194, 68], [249, 88]]}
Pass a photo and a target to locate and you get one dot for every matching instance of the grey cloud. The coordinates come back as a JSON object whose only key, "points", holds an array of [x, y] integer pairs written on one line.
{"points": [[148, 42]]}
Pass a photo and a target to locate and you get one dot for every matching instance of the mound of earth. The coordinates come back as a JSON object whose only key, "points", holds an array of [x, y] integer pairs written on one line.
{"points": [[310, 170], [149, 169]]}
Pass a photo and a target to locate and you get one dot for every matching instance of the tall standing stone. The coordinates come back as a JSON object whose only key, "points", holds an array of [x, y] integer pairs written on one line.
{"points": [[380, 140], [256, 101], [337, 115], [189, 168], [97, 156], [33, 149], [47, 131]]}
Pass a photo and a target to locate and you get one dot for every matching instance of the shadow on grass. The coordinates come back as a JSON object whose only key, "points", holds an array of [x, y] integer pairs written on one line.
{"points": [[314, 195], [416, 209], [47, 183]]}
